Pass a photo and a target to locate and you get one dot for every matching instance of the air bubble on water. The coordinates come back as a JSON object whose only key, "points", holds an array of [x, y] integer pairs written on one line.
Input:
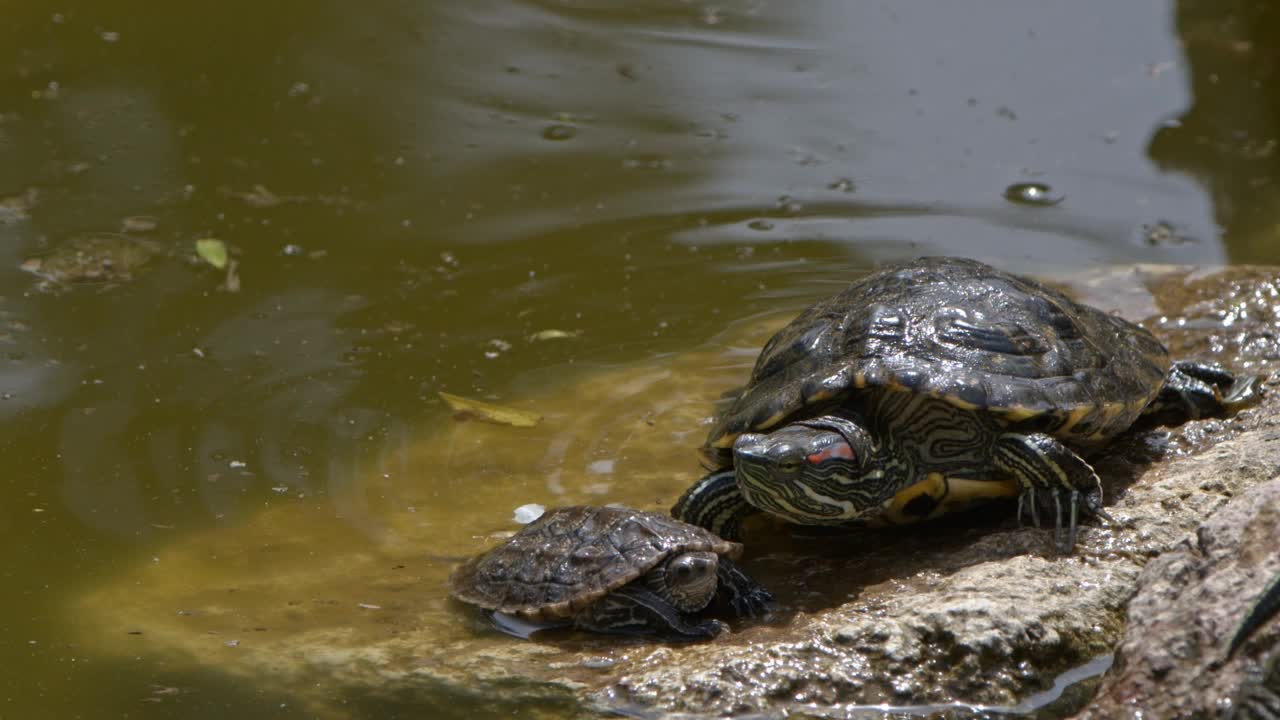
{"points": [[496, 347], [789, 205], [559, 132], [1032, 193], [649, 162], [602, 467], [1164, 233], [844, 185]]}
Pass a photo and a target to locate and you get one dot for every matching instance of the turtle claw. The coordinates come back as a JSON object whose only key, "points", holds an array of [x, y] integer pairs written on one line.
{"points": [[704, 630], [1069, 502], [744, 596], [1057, 521], [1192, 391], [1028, 498], [755, 603]]}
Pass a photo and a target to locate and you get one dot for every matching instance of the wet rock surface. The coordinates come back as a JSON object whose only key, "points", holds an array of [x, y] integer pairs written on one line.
{"points": [[1173, 661], [992, 620], [967, 611]]}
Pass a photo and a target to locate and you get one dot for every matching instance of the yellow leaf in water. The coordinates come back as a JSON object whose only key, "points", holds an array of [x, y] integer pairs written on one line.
{"points": [[554, 334], [488, 412], [212, 251]]}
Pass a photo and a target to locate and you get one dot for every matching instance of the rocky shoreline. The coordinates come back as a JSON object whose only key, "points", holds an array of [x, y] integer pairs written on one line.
{"points": [[969, 612]]}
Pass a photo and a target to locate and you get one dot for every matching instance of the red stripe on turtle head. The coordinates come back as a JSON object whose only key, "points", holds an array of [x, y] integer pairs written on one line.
{"points": [[839, 450]]}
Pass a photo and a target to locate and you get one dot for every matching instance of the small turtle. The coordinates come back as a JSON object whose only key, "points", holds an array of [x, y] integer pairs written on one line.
{"points": [[933, 384], [611, 569]]}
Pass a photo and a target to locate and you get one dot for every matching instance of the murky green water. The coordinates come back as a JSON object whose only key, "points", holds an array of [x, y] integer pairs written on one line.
{"points": [[413, 190]]}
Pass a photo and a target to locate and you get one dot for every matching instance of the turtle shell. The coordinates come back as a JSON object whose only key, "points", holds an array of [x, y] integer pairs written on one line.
{"points": [[961, 331], [571, 557]]}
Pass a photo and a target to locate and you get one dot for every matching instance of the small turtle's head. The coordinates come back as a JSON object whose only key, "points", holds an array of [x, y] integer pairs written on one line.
{"points": [[688, 580], [810, 473]]}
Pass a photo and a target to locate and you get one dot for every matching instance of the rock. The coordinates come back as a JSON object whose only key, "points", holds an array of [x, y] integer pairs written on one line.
{"points": [[966, 615], [105, 258], [1173, 660], [994, 621]]}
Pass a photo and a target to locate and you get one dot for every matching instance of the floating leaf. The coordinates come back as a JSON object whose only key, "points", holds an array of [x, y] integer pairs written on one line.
{"points": [[553, 334], [212, 251], [138, 224], [488, 412]]}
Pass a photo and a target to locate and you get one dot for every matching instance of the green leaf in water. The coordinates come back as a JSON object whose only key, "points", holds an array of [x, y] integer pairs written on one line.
{"points": [[212, 251]]}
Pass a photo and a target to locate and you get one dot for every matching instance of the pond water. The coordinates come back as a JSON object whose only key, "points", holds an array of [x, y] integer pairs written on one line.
{"points": [[506, 200]]}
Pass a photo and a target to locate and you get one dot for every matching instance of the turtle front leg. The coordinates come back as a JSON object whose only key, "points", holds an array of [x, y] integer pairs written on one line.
{"points": [[636, 610], [1042, 464], [745, 596], [1194, 390], [715, 503]]}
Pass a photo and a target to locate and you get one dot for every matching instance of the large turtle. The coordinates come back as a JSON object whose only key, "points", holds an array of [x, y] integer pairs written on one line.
{"points": [[935, 383], [611, 569]]}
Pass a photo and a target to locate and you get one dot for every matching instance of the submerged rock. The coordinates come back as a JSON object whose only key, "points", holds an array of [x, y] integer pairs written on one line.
{"points": [[352, 612], [93, 258]]}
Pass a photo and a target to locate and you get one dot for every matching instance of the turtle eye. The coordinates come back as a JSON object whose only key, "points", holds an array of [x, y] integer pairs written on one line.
{"points": [[789, 464]]}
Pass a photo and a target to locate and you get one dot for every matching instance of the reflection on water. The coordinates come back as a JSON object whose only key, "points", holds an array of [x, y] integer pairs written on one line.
{"points": [[415, 190], [1227, 138], [1068, 685]]}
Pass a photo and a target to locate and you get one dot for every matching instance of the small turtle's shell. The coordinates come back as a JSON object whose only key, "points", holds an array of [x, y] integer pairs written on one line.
{"points": [[571, 557], [961, 331]]}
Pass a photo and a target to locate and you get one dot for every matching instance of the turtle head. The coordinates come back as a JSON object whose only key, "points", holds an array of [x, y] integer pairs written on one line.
{"points": [[810, 473], [688, 580]]}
